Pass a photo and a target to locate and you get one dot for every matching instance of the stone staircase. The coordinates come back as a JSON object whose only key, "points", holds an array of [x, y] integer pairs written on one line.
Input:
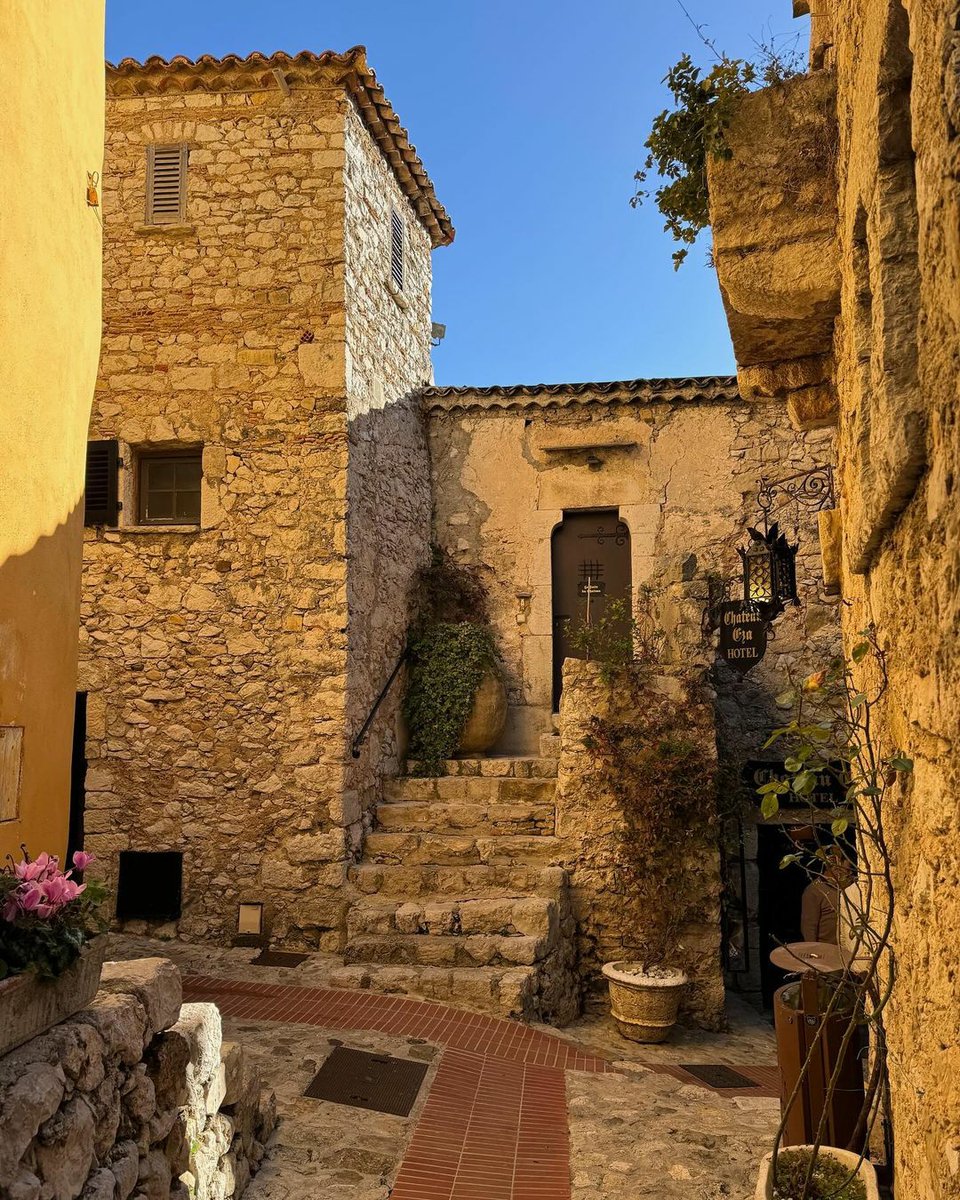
{"points": [[456, 898]]}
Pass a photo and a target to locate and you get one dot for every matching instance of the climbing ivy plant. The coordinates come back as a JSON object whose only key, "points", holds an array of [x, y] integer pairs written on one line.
{"points": [[449, 650]]}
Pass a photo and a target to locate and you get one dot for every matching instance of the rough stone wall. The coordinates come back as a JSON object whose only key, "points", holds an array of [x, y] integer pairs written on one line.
{"points": [[134, 1096], [684, 480], [216, 659], [589, 817], [897, 369], [388, 488]]}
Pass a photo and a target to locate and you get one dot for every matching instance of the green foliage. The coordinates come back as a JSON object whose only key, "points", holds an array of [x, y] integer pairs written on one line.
{"points": [[446, 665], [830, 1179], [684, 138], [622, 636], [449, 649]]}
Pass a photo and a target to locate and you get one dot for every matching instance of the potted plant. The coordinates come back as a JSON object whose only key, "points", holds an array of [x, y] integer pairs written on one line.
{"points": [[816, 1173], [455, 701], [50, 955], [644, 1001], [653, 769]]}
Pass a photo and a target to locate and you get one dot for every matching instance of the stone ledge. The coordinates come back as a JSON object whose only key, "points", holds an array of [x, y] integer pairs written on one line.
{"points": [[179, 230]]}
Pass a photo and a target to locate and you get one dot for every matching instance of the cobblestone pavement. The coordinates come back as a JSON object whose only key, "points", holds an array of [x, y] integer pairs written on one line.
{"points": [[506, 1112]]}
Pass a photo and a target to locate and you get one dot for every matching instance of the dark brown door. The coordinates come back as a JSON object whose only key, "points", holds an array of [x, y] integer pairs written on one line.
{"points": [[590, 567]]}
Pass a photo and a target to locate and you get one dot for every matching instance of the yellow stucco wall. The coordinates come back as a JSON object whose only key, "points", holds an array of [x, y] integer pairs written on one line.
{"points": [[51, 135]]}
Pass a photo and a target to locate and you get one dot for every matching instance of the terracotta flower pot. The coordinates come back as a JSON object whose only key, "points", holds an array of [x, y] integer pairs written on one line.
{"points": [[644, 1001], [487, 717], [30, 1006], [866, 1173]]}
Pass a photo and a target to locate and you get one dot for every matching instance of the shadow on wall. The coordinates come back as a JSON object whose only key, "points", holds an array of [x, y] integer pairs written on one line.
{"points": [[39, 622]]}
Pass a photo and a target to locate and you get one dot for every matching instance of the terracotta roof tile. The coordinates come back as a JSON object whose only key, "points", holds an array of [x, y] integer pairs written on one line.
{"points": [[716, 388], [233, 73]]}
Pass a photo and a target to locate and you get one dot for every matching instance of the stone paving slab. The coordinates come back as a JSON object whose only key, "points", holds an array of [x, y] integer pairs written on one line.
{"points": [[647, 1136], [507, 1112]]}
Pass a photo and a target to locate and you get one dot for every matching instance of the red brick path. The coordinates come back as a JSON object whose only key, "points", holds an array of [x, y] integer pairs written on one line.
{"points": [[494, 1126]]}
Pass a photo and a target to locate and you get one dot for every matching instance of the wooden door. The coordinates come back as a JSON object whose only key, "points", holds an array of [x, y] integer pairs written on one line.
{"points": [[590, 566]]}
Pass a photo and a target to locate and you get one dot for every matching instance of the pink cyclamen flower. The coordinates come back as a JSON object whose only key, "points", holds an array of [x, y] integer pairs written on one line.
{"points": [[82, 860], [11, 907], [30, 897]]}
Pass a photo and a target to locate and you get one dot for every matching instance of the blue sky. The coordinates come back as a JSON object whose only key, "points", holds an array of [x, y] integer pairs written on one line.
{"points": [[530, 117]]}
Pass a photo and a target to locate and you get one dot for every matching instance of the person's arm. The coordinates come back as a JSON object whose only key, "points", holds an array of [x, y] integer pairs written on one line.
{"points": [[810, 913]]}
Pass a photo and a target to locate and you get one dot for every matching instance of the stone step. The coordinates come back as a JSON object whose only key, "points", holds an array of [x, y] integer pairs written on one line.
{"points": [[460, 818], [531, 767], [434, 849], [550, 745], [478, 789], [497, 991], [469, 950], [407, 882], [441, 916]]}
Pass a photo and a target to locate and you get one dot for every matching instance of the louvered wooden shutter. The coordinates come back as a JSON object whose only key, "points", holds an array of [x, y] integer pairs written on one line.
{"points": [[396, 249], [100, 501], [166, 184]]}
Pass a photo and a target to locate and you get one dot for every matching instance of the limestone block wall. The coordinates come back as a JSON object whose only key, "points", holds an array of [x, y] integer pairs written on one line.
{"points": [[589, 817], [388, 486], [221, 706], [214, 657], [897, 380], [135, 1095]]}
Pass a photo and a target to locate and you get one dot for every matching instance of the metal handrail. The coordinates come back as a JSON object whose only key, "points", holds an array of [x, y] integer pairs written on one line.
{"points": [[358, 740]]}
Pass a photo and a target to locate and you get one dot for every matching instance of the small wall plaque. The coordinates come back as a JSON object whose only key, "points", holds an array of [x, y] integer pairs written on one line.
{"points": [[11, 760]]}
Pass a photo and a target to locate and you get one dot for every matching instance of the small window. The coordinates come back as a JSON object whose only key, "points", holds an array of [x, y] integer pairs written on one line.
{"points": [[396, 249], [150, 885], [166, 184], [170, 488]]}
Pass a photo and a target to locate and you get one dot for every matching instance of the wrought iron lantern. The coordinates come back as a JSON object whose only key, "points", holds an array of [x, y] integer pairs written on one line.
{"points": [[769, 570]]}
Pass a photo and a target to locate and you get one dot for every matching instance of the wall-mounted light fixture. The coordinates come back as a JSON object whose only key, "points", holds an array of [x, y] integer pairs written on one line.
{"points": [[769, 571]]}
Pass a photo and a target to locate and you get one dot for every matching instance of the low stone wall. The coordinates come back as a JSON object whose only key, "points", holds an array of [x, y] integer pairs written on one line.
{"points": [[136, 1096], [589, 819]]}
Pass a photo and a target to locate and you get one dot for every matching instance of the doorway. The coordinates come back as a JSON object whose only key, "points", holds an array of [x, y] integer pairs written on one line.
{"points": [[780, 891], [590, 567], [78, 776]]}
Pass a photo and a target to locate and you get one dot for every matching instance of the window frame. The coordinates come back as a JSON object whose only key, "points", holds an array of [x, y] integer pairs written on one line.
{"points": [[144, 461]]}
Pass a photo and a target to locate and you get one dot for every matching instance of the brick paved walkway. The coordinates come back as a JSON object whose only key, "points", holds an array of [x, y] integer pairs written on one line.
{"points": [[494, 1126]]}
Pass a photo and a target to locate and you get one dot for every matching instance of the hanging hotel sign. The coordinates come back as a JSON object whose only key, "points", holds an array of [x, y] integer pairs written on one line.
{"points": [[743, 634], [829, 793]]}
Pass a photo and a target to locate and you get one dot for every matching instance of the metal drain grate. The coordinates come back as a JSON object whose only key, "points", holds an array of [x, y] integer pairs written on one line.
{"points": [[372, 1081], [279, 958], [716, 1076]]}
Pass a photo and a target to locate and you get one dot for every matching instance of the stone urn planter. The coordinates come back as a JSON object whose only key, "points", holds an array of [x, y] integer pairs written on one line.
{"points": [[866, 1174], [644, 1001], [487, 717], [30, 1005]]}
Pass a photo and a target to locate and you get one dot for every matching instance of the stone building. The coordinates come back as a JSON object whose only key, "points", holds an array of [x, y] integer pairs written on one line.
{"points": [[835, 225], [283, 465], [267, 313], [51, 149]]}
